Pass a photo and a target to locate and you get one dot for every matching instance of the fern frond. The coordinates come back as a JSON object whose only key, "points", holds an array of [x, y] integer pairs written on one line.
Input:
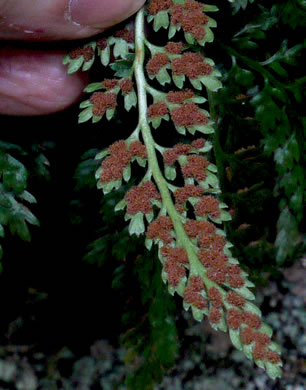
{"points": [[185, 222]]}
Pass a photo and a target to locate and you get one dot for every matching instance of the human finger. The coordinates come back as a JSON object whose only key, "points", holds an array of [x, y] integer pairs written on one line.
{"points": [[61, 19], [34, 82]]}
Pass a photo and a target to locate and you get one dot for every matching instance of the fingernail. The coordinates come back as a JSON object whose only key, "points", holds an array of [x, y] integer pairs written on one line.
{"points": [[101, 13]]}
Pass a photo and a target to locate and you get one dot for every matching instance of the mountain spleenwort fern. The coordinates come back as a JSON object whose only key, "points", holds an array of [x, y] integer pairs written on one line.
{"points": [[185, 222]]}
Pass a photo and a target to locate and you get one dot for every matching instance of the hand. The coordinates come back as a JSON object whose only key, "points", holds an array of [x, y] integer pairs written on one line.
{"points": [[33, 80]]}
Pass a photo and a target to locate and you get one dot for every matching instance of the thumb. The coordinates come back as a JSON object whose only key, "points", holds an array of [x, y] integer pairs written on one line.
{"points": [[61, 19]]}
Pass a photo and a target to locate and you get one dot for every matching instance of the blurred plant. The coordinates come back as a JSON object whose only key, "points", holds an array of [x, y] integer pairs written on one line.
{"points": [[272, 87], [13, 190]]}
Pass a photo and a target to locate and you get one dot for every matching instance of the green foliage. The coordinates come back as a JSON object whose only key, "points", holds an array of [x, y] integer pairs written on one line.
{"points": [[151, 343], [276, 96], [240, 4], [111, 244], [293, 13], [13, 184], [149, 330]]}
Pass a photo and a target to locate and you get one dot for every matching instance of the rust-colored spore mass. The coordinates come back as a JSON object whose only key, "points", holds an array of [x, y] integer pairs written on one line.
{"points": [[215, 297], [139, 198], [235, 299], [205, 241], [188, 114], [214, 315], [156, 6], [218, 243], [195, 168], [262, 338], [137, 149], [235, 281], [191, 65], [262, 341], [198, 143], [181, 149], [216, 275], [178, 97], [259, 352], [175, 258], [194, 228], [126, 34], [190, 17], [157, 109], [126, 86], [234, 318], [199, 302], [86, 52], [196, 282], [198, 31], [177, 254], [252, 320], [113, 166], [103, 101], [175, 47], [191, 228], [175, 272], [213, 259], [234, 269], [191, 21], [118, 148], [247, 336], [208, 205], [195, 299], [189, 191], [102, 43], [155, 64], [112, 170], [165, 222], [177, 12], [171, 155], [192, 5], [161, 229], [214, 242], [206, 227], [273, 357], [109, 84], [191, 293]]}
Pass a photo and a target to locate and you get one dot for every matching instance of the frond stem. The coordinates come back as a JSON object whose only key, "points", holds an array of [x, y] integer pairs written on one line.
{"points": [[195, 266]]}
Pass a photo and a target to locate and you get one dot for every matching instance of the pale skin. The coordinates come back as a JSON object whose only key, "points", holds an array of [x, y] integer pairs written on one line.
{"points": [[33, 80]]}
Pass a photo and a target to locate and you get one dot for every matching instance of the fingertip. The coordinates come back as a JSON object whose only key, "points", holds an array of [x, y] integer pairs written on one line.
{"points": [[62, 19], [102, 13], [36, 83]]}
